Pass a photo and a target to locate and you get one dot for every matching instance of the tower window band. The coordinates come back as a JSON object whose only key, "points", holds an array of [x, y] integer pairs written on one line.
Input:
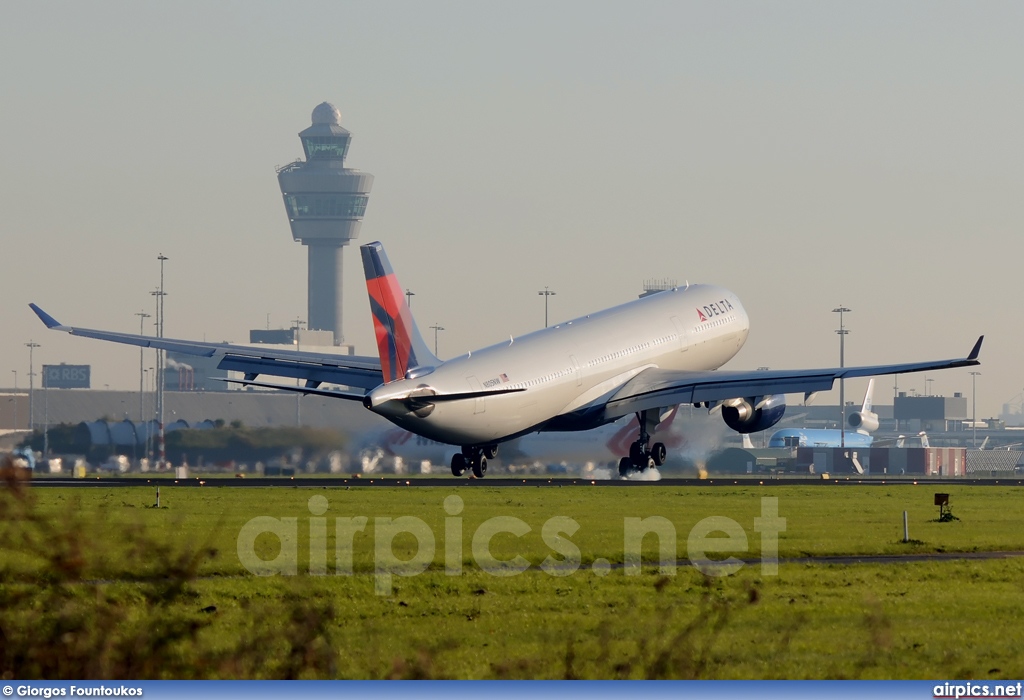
{"points": [[315, 206], [318, 147]]}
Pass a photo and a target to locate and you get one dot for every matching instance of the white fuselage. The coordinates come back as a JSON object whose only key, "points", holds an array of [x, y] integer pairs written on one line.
{"points": [[570, 367]]}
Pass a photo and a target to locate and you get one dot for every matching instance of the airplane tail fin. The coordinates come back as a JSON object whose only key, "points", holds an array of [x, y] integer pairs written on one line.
{"points": [[868, 397], [865, 420], [399, 343]]}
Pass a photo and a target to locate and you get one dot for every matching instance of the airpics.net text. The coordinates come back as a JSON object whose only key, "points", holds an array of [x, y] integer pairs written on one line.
{"points": [[714, 534]]}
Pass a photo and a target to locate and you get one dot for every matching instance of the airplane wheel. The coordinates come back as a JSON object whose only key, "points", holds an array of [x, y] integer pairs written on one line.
{"points": [[479, 466], [625, 467], [458, 464], [659, 453], [636, 454], [491, 451]]}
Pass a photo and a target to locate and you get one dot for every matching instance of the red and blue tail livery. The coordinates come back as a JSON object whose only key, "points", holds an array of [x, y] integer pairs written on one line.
{"points": [[399, 343]]}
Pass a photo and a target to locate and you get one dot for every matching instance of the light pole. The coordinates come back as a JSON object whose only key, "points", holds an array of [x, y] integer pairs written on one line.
{"points": [[546, 293], [142, 331], [842, 363], [160, 366], [150, 373], [298, 382], [31, 345], [145, 385], [974, 407], [46, 418], [14, 425], [161, 257], [408, 297], [436, 328]]}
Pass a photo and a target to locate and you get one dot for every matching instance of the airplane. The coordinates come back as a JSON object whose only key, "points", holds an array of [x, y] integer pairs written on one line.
{"points": [[643, 357], [864, 422]]}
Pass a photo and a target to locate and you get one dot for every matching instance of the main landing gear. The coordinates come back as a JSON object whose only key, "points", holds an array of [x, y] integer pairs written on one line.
{"points": [[474, 458], [641, 457]]}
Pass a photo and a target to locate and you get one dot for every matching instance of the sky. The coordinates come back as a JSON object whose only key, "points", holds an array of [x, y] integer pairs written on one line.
{"points": [[806, 155]]}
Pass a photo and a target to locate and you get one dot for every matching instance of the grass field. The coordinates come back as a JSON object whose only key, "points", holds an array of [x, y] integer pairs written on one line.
{"points": [[97, 583]]}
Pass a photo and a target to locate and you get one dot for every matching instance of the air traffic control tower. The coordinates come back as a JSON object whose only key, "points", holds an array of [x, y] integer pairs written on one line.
{"points": [[325, 202]]}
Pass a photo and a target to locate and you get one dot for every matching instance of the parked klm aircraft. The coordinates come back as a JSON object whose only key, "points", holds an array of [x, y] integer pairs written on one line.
{"points": [[863, 422], [643, 357]]}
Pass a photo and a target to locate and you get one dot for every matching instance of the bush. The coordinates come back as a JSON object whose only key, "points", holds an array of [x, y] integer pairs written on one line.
{"points": [[70, 610]]}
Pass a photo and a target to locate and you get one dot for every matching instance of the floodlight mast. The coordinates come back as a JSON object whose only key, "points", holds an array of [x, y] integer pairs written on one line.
{"points": [[161, 368], [436, 328], [974, 408], [546, 294], [142, 331], [31, 345], [842, 384]]}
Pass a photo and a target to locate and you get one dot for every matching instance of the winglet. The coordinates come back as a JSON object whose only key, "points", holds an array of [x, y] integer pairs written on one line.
{"points": [[977, 349], [46, 318]]}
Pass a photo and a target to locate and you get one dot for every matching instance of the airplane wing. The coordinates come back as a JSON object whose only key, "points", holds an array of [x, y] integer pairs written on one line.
{"points": [[315, 368], [657, 388]]}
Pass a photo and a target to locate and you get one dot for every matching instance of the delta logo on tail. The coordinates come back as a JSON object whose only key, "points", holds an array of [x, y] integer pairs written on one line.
{"points": [[393, 326]]}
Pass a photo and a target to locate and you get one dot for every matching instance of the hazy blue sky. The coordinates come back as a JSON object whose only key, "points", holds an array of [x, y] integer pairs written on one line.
{"points": [[804, 154]]}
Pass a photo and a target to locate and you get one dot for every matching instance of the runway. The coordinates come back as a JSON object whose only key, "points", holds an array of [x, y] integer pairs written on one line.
{"points": [[392, 481]]}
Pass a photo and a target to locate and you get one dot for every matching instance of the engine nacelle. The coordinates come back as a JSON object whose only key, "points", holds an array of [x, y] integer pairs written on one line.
{"points": [[864, 421], [754, 414]]}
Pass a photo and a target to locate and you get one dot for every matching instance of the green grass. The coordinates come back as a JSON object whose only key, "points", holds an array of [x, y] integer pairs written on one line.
{"points": [[820, 520], [167, 584], [876, 621]]}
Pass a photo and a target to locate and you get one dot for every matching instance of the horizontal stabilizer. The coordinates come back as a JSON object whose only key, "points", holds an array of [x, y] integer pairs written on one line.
{"points": [[458, 397], [311, 371], [331, 393]]}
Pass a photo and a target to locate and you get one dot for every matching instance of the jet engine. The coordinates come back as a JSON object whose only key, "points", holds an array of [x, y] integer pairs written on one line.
{"points": [[864, 421], [754, 414]]}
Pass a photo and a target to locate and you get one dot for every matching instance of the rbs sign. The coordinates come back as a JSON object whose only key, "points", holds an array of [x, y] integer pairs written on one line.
{"points": [[66, 376]]}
